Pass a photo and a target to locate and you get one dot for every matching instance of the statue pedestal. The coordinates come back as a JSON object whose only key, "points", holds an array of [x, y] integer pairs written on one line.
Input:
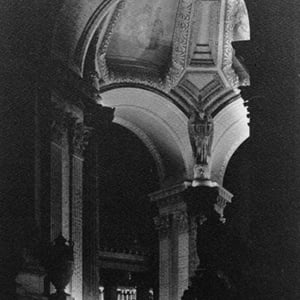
{"points": [[181, 207], [205, 204]]}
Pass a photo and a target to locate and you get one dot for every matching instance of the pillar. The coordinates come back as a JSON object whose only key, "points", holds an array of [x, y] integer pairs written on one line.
{"points": [[178, 232]]}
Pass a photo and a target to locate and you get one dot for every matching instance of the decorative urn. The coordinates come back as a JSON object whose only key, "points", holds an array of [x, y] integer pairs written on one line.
{"points": [[60, 265]]}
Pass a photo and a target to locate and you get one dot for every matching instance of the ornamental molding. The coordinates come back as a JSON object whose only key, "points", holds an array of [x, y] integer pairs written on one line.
{"points": [[181, 44], [229, 73], [228, 52], [144, 78]]}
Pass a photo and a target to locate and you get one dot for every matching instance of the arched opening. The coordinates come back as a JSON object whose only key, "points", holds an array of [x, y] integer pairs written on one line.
{"points": [[160, 124], [128, 239], [128, 174]]}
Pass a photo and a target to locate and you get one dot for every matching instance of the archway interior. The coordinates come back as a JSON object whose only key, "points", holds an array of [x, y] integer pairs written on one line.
{"points": [[128, 175]]}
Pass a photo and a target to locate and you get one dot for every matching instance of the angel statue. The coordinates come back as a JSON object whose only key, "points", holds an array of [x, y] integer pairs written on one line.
{"points": [[201, 129]]}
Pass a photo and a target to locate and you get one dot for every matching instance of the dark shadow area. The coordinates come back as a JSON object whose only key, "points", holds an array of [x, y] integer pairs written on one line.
{"points": [[128, 176]]}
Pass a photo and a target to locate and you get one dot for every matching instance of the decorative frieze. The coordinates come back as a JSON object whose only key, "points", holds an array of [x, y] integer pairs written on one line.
{"points": [[232, 7], [180, 44]]}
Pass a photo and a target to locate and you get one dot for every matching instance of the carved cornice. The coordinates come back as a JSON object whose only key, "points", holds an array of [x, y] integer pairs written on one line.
{"points": [[143, 78]]}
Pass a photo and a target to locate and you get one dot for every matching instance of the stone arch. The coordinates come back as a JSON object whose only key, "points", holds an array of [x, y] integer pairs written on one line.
{"points": [[160, 125]]}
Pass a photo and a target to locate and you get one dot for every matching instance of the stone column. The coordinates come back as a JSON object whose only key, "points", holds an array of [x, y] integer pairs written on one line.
{"points": [[80, 135], [98, 118]]}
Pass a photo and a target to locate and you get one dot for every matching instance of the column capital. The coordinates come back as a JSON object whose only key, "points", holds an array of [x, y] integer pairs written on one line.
{"points": [[163, 224], [60, 122], [181, 219], [80, 137]]}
